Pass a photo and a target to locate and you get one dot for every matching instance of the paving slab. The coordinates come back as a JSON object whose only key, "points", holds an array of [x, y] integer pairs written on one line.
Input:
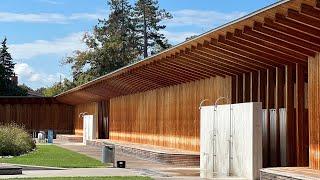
{"points": [[87, 172]]}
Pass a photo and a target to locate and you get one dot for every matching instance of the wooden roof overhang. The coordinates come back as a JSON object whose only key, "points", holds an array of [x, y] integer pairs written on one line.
{"points": [[27, 100], [284, 33]]}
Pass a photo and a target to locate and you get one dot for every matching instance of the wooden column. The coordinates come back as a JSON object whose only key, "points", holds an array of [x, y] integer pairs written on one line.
{"points": [[106, 121], [262, 81], [234, 89], [314, 113], [270, 105], [254, 87], [279, 103], [290, 144], [239, 85], [301, 122], [246, 87]]}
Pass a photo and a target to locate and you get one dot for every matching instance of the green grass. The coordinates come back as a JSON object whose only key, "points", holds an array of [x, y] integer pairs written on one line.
{"points": [[94, 178], [54, 156]]}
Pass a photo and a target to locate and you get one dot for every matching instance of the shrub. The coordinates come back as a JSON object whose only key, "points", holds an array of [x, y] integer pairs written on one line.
{"points": [[15, 140]]}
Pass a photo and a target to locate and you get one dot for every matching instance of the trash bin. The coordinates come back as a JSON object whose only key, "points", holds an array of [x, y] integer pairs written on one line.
{"points": [[108, 154], [50, 136]]}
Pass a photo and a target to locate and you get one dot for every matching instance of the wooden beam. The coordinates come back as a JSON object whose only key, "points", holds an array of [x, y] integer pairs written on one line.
{"points": [[225, 62], [243, 53], [284, 56], [292, 32], [284, 21], [223, 67], [230, 54], [258, 27], [266, 44], [274, 40], [310, 11], [301, 121], [229, 58], [293, 14], [267, 57]]}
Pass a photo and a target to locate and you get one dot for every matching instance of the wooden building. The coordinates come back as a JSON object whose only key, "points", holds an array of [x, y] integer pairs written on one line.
{"points": [[270, 56]]}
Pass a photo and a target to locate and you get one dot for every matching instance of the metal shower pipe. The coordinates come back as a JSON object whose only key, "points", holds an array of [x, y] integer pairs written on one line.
{"points": [[231, 131]]}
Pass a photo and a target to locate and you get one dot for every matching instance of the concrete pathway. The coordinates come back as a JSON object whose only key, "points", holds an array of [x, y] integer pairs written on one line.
{"points": [[136, 165], [73, 173]]}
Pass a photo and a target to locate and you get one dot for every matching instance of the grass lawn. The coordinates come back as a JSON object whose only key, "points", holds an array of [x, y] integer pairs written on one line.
{"points": [[54, 156], [94, 178]]}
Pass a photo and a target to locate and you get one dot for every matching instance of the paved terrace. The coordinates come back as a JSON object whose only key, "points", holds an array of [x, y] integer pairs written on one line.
{"points": [[136, 165]]}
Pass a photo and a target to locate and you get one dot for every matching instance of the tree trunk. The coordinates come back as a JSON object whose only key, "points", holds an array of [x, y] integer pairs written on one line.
{"points": [[145, 36]]}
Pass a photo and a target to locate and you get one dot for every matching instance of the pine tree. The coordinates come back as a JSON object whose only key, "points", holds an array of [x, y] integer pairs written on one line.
{"points": [[7, 86], [148, 16], [112, 45], [6, 60]]}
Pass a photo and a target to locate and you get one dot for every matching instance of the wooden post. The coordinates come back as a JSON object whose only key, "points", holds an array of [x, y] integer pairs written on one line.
{"points": [[262, 81], [279, 103], [106, 121], [290, 122], [239, 89], [246, 87], [233, 89], [270, 105], [254, 87], [301, 122]]}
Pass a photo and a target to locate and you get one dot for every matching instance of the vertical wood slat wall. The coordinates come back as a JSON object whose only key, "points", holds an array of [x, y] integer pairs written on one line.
{"points": [[281, 87], [165, 117], [314, 111], [58, 117], [91, 108]]}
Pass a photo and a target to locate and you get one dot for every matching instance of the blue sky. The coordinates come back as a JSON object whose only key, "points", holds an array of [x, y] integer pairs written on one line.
{"points": [[42, 32]]}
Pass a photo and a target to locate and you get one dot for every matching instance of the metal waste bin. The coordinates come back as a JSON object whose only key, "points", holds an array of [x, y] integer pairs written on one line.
{"points": [[108, 154]]}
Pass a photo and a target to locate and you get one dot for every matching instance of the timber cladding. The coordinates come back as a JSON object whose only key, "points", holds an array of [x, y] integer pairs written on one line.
{"points": [[314, 113], [90, 108], [37, 114], [167, 116]]}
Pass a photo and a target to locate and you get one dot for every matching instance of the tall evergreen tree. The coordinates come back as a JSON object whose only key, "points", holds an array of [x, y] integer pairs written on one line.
{"points": [[7, 86], [112, 45], [6, 60], [148, 17]]}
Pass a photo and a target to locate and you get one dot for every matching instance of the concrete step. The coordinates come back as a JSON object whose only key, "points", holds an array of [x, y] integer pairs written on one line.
{"points": [[164, 157], [69, 138]]}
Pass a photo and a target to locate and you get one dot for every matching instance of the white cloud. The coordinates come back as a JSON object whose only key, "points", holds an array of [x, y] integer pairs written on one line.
{"points": [[28, 74], [201, 18], [177, 37], [48, 17], [62, 46], [51, 2]]}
